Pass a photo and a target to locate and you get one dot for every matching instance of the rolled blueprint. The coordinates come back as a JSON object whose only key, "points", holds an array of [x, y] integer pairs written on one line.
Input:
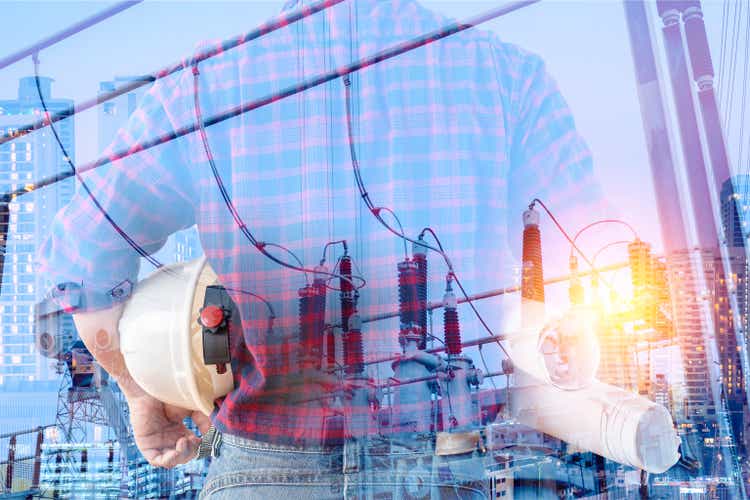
{"points": [[602, 419]]}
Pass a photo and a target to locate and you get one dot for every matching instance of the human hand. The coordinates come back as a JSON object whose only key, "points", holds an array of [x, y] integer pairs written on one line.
{"points": [[160, 433]]}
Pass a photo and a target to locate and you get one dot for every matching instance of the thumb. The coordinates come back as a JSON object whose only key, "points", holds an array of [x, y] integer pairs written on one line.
{"points": [[201, 420]]}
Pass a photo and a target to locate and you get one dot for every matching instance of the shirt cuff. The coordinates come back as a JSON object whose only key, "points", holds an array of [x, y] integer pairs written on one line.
{"points": [[74, 297]]}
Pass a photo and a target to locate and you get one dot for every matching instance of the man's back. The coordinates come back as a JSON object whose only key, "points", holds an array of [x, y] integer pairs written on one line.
{"points": [[457, 136]]}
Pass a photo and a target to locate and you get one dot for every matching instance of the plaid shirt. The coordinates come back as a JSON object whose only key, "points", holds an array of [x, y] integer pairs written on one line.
{"points": [[459, 135]]}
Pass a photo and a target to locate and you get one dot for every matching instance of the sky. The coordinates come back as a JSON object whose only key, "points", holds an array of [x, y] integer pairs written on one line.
{"points": [[584, 44]]}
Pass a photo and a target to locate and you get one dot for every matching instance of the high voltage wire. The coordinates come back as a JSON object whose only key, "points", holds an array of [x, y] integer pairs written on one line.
{"points": [[315, 81], [277, 23], [67, 32], [6, 198]]}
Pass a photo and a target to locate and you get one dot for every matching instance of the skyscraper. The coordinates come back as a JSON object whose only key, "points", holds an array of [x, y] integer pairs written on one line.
{"points": [[698, 403], [734, 219], [24, 161]]}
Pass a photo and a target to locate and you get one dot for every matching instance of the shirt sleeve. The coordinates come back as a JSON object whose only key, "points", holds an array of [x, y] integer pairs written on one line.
{"points": [[84, 262], [549, 159]]}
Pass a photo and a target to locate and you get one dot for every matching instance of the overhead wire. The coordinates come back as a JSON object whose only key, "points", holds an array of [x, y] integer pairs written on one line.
{"points": [[375, 211], [121, 232], [66, 33], [69, 160], [723, 50], [239, 221], [386, 54], [272, 25], [743, 106]]}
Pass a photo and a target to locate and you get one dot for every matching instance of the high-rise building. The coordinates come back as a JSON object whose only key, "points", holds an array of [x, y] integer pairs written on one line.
{"points": [[733, 218], [25, 161], [688, 295], [734, 208], [113, 115]]}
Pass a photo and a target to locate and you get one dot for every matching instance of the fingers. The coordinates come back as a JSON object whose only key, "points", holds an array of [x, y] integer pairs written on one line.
{"points": [[202, 421], [185, 449]]}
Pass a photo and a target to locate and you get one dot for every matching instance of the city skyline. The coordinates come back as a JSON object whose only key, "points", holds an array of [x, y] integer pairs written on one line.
{"points": [[660, 317]]}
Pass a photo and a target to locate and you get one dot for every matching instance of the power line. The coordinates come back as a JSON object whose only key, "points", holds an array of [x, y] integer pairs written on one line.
{"points": [[315, 81], [67, 32], [279, 22]]}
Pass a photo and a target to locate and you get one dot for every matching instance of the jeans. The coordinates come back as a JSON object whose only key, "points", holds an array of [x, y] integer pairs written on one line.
{"points": [[372, 469]]}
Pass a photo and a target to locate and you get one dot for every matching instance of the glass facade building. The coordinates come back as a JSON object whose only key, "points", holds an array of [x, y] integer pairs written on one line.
{"points": [[24, 161]]}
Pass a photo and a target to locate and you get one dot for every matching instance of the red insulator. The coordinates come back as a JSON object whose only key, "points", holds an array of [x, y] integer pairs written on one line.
{"points": [[421, 313], [452, 331], [354, 358], [408, 296], [312, 320], [345, 269], [532, 285]]}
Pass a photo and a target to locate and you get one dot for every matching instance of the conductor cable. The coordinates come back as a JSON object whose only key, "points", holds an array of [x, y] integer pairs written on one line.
{"points": [[123, 234], [375, 211], [386, 54], [259, 245]]}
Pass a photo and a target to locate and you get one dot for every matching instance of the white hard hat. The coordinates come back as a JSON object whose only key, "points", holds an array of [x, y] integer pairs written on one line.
{"points": [[161, 339]]}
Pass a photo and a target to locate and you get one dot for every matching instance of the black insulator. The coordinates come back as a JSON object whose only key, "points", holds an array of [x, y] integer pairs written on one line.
{"points": [[532, 285], [421, 260], [408, 296], [354, 361], [312, 319], [452, 331], [347, 291]]}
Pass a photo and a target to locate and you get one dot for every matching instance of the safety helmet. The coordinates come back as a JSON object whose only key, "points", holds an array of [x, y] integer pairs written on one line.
{"points": [[161, 338]]}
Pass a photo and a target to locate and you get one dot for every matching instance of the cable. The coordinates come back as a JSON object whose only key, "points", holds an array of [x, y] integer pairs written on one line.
{"points": [[343, 243], [133, 244], [607, 246], [600, 222], [398, 221], [259, 245], [292, 254], [376, 213], [277, 23], [68, 32], [389, 53], [572, 243], [486, 367]]}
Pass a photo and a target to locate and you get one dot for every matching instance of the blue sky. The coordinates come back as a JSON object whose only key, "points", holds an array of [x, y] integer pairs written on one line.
{"points": [[584, 43]]}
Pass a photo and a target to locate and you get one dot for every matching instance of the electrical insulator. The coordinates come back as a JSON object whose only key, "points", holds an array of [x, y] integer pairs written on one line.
{"points": [[451, 326], [573, 263], [420, 258], [532, 285], [408, 296], [347, 291], [312, 319], [354, 347]]}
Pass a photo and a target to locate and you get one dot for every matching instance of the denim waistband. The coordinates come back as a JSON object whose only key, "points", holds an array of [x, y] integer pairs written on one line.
{"points": [[311, 445]]}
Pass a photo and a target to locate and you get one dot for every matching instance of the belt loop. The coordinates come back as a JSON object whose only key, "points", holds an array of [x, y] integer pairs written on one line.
{"points": [[216, 444], [210, 444]]}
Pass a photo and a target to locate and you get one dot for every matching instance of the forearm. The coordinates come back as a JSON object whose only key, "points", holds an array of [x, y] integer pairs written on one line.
{"points": [[99, 331]]}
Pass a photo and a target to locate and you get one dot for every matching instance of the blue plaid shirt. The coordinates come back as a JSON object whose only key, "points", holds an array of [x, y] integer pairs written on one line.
{"points": [[459, 135]]}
